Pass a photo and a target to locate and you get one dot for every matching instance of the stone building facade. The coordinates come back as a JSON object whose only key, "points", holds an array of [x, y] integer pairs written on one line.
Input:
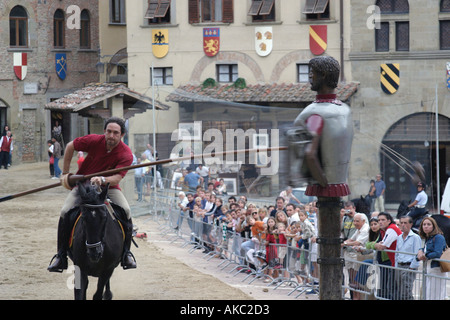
{"points": [[408, 52], [42, 29], [186, 63]]}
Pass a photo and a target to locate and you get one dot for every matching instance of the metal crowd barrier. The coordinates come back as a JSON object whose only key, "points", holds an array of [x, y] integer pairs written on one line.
{"points": [[374, 280], [279, 265]]}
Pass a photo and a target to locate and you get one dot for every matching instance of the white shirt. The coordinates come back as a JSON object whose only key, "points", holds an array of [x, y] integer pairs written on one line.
{"points": [[361, 235], [293, 218], [421, 198], [203, 172]]}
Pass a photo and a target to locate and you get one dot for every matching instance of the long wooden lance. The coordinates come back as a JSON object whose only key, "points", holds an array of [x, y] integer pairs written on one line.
{"points": [[74, 178]]}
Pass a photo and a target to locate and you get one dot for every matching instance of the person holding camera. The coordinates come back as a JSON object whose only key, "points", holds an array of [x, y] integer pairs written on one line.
{"points": [[348, 230], [347, 215]]}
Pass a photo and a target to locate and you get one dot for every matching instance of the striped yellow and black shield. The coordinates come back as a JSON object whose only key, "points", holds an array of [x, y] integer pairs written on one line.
{"points": [[390, 77]]}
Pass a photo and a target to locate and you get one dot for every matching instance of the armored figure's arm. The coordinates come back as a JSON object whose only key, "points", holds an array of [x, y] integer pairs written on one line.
{"points": [[315, 125]]}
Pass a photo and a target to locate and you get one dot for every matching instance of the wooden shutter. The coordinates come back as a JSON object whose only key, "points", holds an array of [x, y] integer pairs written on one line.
{"points": [[321, 6], [152, 6], [255, 7], [228, 12], [309, 6], [162, 9], [266, 7], [193, 11]]}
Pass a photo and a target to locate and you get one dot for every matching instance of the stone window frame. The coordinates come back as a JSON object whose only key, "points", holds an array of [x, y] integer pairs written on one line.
{"points": [[85, 29], [232, 73], [398, 22], [117, 12], [164, 76], [59, 41]]}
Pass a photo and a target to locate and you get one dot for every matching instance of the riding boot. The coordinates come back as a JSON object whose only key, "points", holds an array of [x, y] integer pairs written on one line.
{"points": [[59, 261], [128, 260]]}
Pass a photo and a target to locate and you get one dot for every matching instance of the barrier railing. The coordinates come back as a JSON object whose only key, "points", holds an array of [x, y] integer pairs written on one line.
{"points": [[276, 265]]}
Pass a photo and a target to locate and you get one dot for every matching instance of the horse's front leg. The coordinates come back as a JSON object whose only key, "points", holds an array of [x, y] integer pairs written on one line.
{"points": [[108, 294], [81, 285], [103, 281]]}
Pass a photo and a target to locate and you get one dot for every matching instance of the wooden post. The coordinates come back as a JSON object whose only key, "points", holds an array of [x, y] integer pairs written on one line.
{"points": [[331, 263]]}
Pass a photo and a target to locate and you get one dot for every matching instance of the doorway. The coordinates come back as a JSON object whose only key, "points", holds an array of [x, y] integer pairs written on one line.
{"points": [[413, 138]]}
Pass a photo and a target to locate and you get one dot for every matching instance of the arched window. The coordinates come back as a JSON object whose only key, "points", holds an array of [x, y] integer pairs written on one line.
{"points": [[85, 32], [58, 29], [18, 27], [401, 27]]}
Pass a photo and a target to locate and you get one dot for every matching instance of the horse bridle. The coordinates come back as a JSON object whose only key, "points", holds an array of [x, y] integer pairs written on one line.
{"points": [[98, 244]]}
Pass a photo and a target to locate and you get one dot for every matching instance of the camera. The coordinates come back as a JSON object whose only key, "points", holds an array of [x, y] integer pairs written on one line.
{"points": [[346, 212]]}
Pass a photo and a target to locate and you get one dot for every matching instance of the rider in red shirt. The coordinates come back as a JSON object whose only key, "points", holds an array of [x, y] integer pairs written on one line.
{"points": [[106, 151]]}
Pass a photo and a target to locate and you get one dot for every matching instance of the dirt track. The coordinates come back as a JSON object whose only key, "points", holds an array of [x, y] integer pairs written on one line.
{"points": [[165, 271]]}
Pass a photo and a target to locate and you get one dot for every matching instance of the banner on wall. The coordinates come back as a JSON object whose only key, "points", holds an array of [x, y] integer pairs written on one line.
{"points": [[160, 42], [263, 41], [211, 41], [390, 77], [61, 65], [318, 39], [20, 64]]}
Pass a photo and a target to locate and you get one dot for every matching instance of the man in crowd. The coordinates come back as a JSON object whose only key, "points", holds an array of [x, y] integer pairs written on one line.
{"points": [[408, 244], [380, 188]]}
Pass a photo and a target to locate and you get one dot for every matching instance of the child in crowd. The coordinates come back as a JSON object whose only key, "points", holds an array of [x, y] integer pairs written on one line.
{"points": [[282, 241], [262, 213], [293, 236], [308, 232]]}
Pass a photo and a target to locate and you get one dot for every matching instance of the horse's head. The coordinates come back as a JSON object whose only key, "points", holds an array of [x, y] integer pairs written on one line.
{"points": [[94, 213]]}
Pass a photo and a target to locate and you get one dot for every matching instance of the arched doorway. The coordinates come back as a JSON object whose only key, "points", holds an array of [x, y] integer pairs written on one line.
{"points": [[414, 138]]}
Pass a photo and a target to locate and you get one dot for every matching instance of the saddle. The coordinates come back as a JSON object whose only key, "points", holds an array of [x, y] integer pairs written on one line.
{"points": [[118, 212]]}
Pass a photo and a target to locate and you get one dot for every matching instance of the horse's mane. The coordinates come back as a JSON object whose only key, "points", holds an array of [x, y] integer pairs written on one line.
{"points": [[89, 194]]}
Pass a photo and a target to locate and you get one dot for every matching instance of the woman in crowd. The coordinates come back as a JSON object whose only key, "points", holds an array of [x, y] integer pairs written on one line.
{"points": [[434, 246]]}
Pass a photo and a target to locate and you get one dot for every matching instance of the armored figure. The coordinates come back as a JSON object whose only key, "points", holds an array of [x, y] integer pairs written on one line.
{"points": [[329, 124]]}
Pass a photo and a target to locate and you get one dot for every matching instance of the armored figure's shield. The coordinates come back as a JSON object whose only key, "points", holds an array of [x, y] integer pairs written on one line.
{"points": [[298, 138]]}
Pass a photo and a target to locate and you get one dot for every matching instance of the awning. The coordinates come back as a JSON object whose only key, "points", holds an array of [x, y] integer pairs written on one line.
{"points": [[260, 93], [89, 101]]}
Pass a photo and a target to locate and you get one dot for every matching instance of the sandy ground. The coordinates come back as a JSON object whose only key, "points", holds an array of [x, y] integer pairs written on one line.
{"points": [[166, 271]]}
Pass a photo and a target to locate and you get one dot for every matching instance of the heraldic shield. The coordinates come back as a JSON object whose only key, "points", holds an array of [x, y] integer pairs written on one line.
{"points": [[61, 65], [160, 42], [263, 40], [211, 41], [20, 64], [298, 138], [390, 77], [318, 39], [448, 75]]}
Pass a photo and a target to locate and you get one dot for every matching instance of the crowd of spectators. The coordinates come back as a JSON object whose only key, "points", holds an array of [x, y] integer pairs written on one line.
{"points": [[278, 241], [263, 237], [258, 236]]}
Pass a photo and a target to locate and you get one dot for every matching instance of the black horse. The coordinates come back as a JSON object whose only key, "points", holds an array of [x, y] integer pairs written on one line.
{"points": [[362, 205], [98, 241], [442, 221]]}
